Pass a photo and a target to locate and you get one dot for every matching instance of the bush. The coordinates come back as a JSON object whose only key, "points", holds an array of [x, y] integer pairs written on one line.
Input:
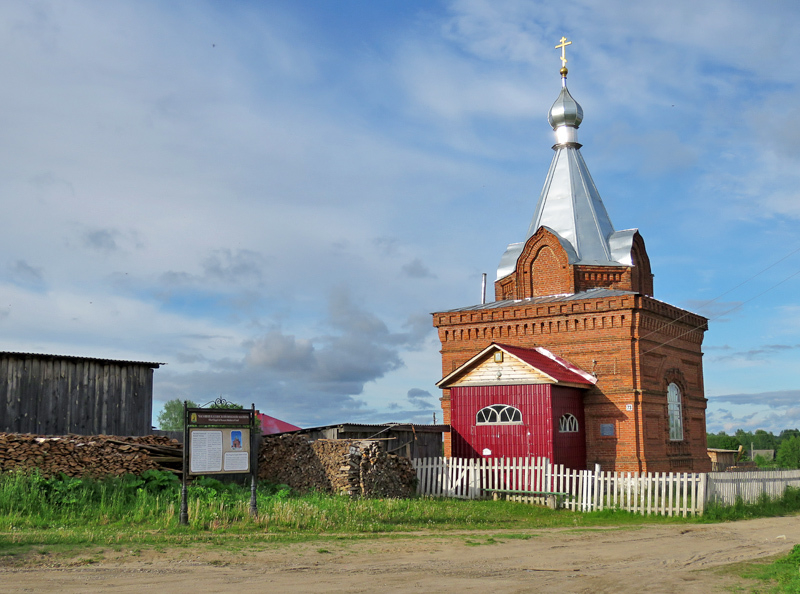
{"points": [[788, 503], [789, 453]]}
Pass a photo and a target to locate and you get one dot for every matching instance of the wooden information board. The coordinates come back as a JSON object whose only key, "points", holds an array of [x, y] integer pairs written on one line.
{"points": [[218, 441]]}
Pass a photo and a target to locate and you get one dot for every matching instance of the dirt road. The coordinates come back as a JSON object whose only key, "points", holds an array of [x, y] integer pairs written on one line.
{"points": [[685, 559]]}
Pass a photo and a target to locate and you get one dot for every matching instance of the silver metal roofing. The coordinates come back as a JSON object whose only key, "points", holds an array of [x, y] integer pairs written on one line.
{"points": [[588, 294], [565, 111], [77, 358], [377, 427], [570, 205]]}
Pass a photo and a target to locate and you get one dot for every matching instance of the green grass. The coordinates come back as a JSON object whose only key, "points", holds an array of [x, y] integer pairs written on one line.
{"points": [[60, 516], [779, 577]]}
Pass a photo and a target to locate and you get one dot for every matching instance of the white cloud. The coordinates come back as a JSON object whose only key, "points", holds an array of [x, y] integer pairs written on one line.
{"points": [[195, 184], [278, 352], [770, 411]]}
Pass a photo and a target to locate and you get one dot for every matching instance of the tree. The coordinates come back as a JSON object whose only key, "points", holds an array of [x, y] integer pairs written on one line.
{"points": [[789, 453], [744, 437], [722, 441], [171, 418], [787, 433], [764, 440]]}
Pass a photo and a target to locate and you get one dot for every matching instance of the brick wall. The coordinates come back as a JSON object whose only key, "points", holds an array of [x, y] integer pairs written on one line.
{"points": [[635, 344]]}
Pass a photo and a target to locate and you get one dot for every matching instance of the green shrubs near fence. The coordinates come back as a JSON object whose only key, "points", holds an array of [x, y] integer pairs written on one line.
{"points": [[788, 503], [35, 501]]}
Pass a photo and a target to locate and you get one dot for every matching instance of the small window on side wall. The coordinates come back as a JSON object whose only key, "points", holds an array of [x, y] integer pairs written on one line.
{"points": [[499, 414], [675, 411], [568, 424]]}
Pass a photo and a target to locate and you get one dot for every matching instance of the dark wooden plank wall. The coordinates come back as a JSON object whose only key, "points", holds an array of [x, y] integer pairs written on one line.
{"points": [[54, 396]]}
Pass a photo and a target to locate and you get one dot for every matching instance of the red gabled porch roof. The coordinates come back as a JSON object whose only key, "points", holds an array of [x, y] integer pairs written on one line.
{"points": [[539, 358], [559, 369]]}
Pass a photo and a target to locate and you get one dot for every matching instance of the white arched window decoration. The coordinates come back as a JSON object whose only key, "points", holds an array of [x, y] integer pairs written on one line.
{"points": [[499, 414], [568, 424], [675, 411]]}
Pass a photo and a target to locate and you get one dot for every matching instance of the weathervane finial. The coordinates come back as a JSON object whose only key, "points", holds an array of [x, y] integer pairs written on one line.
{"points": [[563, 45]]}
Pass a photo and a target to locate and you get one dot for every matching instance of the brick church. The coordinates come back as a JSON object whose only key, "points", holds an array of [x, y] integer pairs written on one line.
{"points": [[575, 359]]}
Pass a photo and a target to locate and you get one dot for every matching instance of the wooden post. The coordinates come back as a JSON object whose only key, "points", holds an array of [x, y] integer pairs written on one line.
{"points": [[184, 513], [254, 442], [701, 494]]}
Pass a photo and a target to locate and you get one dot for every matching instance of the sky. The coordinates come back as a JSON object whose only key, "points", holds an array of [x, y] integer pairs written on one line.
{"points": [[272, 197]]}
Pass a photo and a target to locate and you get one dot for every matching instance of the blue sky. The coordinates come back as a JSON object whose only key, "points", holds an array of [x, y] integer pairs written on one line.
{"points": [[272, 197]]}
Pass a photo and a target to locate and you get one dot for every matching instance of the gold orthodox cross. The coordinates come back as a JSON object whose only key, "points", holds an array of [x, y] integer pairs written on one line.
{"points": [[563, 45]]}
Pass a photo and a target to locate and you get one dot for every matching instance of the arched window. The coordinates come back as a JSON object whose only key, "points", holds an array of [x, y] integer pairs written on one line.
{"points": [[568, 424], [499, 414], [675, 412]]}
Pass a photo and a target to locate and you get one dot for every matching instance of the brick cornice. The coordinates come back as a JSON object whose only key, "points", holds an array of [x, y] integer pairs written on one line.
{"points": [[528, 309], [671, 312]]}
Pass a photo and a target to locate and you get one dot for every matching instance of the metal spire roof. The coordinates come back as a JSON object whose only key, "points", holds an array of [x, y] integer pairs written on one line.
{"points": [[570, 204]]}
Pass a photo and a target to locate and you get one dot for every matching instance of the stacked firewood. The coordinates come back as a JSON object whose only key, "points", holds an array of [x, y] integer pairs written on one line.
{"points": [[290, 460], [344, 466], [81, 455], [386, 475], [341, 459]]}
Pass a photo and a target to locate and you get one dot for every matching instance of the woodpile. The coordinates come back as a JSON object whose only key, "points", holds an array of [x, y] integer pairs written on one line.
{"points": [[341, 459], [290, 460], [343, 466], [386, 475], [82, 455]]}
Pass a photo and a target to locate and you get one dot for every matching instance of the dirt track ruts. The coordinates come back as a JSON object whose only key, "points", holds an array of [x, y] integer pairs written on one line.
{"points": [[680, 558]]}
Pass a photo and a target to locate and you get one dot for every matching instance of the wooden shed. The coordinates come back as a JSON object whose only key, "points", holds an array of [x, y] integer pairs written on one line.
{"points": [[405, 439], [56, 395], [721, 459], [510, 402]]}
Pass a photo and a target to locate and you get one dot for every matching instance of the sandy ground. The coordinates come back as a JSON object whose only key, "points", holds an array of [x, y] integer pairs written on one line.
{"points": [[683, 559]]}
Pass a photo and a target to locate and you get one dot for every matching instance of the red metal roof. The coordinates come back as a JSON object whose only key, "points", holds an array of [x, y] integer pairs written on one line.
{"points": [[270, 425], [559, 369]]}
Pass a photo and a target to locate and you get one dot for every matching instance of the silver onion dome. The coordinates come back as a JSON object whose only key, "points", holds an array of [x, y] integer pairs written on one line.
{"points": [[566, 114], [565, 111]]}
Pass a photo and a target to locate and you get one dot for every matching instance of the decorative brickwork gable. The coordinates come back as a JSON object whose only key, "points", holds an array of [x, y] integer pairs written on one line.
{"points": [[543, 268], [641, 275]]}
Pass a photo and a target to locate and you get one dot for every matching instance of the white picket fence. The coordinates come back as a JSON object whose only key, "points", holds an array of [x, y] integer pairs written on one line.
{"points": [[652, 493]]}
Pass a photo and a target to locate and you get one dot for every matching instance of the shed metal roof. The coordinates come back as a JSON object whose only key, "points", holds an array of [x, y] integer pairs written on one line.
{"points": [[271, 425], [378, 427], [76, 358]]}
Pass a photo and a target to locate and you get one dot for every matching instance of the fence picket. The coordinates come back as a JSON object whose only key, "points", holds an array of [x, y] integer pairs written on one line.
{"points": [[659, 493], [685, 478]]}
